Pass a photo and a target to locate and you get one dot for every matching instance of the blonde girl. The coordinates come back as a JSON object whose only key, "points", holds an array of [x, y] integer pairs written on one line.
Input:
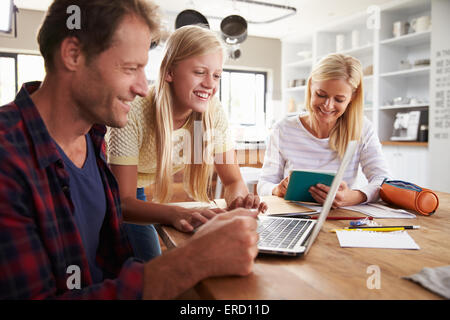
{"points": [[177, 121]]}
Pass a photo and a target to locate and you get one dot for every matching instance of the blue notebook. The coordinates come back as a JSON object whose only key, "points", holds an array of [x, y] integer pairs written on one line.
{"points": [[300, 181]]}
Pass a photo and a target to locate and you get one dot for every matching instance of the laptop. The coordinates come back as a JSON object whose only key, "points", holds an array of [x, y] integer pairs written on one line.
{"points": [[295, 236]]}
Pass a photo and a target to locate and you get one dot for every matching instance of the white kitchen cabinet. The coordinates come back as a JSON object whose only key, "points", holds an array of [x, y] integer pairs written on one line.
{"points": [[408, 163]]}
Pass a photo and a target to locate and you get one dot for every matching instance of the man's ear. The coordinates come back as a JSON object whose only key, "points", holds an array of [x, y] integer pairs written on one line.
{"points": [[70, 53]]}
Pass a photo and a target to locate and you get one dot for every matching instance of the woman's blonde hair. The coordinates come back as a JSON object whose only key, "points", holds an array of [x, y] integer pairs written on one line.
{"points": [[184, 43], [349, 126]]}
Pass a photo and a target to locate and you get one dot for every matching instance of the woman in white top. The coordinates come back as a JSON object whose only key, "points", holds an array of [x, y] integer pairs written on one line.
{"points": [[178, 125], [317, 140]]}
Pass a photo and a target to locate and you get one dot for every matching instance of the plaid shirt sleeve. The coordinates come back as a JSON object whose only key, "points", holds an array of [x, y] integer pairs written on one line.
{"points": [[27, 263]]}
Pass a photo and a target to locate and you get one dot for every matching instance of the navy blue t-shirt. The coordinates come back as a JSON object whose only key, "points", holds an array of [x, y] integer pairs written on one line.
{"points": [[88, 197]]}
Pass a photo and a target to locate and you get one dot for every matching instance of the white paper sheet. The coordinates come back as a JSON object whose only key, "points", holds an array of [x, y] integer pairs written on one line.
{"points": [[374, 239], [377, 210]]}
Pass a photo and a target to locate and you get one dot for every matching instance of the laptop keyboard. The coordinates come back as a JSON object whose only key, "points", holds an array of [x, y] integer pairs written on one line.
{"points": [[281, 233]]}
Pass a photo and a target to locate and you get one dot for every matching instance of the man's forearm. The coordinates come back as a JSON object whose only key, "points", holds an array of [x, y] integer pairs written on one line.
{"points": [[171, 274]]}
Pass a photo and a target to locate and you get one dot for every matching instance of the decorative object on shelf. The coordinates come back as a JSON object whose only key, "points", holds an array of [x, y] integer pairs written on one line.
{"points": [[404, 101], [406, 125], [422, 63], [296, 83], [417, 101], [368, 71], [400, 28], [299, 82], [355, 39], [400, 100], [404, 65], [423, 133], [340, 42], [291, 84], [421, 24], [414, 101]]}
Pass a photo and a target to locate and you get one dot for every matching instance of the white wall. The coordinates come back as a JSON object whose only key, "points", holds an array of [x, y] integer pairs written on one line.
{"points": [[28, 23], [264, 54]]}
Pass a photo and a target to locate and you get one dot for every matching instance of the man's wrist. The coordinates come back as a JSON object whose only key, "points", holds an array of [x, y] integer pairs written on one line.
{"points": [[177, 268]]}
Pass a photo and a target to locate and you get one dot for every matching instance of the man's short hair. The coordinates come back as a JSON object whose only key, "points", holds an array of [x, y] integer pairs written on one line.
{"points": [[99, 20]]}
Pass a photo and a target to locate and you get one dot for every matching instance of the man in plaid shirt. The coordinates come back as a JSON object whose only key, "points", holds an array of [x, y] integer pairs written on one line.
{"points": [[49, 246]]}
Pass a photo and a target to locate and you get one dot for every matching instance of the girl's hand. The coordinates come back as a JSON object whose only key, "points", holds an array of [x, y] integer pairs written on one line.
{"points": [[344, 196], [251, 201], [186, 220], [280, 190]]}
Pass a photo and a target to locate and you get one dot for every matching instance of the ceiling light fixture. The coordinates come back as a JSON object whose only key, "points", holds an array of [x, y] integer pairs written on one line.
{"points": [[234, 32], [290, 11], [254, 11]]}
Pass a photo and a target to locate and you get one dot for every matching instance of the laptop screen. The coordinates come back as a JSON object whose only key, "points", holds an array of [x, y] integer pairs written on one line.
{"points": [[351, 147]]}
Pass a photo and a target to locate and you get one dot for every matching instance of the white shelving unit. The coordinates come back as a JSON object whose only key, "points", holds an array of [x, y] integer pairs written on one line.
{"points": [[297, 63], [389, 68]]}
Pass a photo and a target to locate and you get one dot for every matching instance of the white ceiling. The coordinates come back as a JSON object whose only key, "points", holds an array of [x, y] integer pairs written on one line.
{"points": [[310, 15]]}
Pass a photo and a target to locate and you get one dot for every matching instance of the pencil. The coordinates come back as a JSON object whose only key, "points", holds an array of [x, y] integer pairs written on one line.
{"points": [[378, 229], [384, 227], [370, 229]]}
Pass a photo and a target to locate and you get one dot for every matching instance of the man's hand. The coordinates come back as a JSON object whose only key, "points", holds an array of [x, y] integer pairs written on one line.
{"points": [[227, 245]]}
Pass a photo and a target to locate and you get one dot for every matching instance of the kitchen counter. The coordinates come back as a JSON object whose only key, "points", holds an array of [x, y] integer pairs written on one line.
{"points": [[250, 145]]}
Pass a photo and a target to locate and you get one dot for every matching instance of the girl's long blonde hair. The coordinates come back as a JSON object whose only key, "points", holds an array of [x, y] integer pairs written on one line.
{"points": [[349, 126], [184, 43]]}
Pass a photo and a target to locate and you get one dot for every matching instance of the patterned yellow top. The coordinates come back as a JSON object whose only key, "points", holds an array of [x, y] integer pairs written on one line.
{"points": [[135, 143]]}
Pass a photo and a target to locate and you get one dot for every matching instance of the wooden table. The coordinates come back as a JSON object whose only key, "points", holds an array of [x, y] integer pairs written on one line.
{"points": [[332, 272]]}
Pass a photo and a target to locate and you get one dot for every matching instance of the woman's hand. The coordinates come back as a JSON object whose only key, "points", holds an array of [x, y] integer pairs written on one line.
{"points": [[280, 190], [186, 220], [251, 201], [344, 196]]}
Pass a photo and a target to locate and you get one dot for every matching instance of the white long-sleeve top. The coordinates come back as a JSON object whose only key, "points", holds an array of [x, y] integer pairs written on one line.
{"points": [[292, 146]]}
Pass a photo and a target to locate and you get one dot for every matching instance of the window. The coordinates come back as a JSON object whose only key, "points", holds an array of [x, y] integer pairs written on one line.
{"points": [[8, 85], [243, 96], [15, 69], [29, 68]]}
